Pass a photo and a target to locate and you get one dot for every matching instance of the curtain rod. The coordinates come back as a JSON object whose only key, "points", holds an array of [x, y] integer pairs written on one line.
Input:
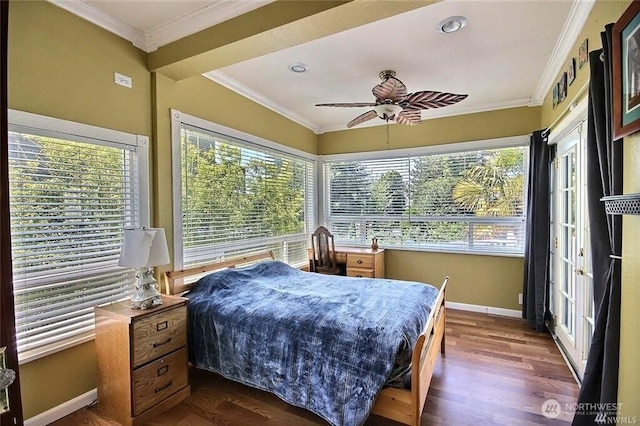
{"points": [[574, 101]]}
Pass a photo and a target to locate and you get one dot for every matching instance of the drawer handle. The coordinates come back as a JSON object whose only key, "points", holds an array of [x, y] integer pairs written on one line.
{"points": [[163, 370], [163, 387], [359, 276], [155, 345], [359, 261], [162, 326]]}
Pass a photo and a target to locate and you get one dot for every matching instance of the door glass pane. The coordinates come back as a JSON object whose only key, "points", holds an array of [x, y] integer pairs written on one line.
{"points": [[571, 315], [588, 315], [572, 206]]}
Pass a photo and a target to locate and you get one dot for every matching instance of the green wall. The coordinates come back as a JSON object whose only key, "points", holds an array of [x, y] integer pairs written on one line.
{"points": [[493, 281], [437, 131], [62, 66]]}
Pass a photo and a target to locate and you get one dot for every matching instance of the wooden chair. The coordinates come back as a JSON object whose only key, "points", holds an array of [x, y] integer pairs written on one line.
{"points": [[323, 259]]}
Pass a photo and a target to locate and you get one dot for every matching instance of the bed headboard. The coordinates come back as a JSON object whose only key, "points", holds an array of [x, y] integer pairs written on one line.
{"points": [[170, 278]]}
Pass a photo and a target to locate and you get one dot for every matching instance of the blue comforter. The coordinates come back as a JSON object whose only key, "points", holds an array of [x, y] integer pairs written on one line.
{"points": [[321, 342]]}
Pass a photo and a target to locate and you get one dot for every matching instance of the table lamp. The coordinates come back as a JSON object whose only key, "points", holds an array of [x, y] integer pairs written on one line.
{"points": [[144, 248]]}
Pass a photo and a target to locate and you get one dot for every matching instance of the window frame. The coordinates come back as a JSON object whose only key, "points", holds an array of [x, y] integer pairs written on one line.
{"points": [[449, 148], [179, 118], [45, 126]]}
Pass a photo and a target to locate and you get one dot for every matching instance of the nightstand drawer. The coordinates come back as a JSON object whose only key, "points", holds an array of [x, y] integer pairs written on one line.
{"points": [[158, 334], [363, 261], [158, 380], [353, 272]]}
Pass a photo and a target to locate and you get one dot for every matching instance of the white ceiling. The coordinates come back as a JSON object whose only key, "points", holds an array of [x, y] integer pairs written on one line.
{"points": [[508, 55]]}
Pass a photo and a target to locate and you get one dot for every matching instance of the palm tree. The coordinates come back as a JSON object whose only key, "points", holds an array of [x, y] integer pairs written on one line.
{"points": [[495, 186]]}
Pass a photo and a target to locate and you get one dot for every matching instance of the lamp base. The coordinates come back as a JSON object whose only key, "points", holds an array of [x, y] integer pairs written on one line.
{"points": [[146, 294]]}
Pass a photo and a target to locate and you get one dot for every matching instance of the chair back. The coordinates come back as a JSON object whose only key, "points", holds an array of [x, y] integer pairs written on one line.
{"points": [[324, 252]]}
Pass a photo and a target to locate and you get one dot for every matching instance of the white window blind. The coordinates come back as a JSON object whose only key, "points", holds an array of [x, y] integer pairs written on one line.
{"points": [[238, 197], [471, 201], [70, 197]]}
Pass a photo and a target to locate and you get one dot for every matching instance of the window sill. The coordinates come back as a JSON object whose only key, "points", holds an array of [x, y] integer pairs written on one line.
{"points": [[44, 351], [440, 250]]}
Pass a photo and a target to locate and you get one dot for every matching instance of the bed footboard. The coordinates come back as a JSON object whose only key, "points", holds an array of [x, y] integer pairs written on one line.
{"points": [[406, 406]]}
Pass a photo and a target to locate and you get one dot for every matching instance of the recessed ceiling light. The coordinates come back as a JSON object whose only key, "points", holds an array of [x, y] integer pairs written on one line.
{"points": [[451, 24], [298, 67]]}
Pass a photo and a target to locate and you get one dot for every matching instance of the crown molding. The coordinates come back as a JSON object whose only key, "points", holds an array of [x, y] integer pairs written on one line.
{"points": [[198, 20], [94, 15], [578, 15], [239, 88], [212, 14]]}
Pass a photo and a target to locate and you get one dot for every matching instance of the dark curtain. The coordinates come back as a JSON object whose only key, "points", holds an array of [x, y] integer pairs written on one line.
{"points": [[604, 177], [536, 252]]}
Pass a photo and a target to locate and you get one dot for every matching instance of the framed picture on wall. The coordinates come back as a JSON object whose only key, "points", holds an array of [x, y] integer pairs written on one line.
{"points": [[571, 71], [562, 88], [555, 95], [583, 53], [626, 72]]}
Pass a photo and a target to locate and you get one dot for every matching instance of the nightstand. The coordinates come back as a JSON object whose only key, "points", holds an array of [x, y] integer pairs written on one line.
{"points": [[142, 359], [365, 263]]}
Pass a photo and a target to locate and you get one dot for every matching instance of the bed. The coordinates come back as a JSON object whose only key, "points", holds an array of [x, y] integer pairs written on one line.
{"points": [[329, 344]]}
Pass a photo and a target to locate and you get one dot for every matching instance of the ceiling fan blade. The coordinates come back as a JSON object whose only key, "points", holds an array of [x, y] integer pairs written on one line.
{"points": [[409, 117], [349, 104], [428, 99], [392, 89], [362, 118]]}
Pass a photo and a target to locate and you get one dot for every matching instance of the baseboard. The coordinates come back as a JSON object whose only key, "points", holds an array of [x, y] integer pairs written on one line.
{"points": [[64, 409], [484, 309]]}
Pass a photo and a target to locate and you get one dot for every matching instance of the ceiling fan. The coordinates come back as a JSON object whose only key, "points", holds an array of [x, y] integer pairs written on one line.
{"points": [[394, 103]]}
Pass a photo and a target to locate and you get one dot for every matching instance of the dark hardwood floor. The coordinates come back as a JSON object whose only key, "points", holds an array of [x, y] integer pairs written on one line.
{"points": [[496, 371]]}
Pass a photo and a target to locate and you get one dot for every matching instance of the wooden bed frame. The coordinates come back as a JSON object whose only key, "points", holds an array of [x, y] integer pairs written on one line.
{"points": [[402, 405]]}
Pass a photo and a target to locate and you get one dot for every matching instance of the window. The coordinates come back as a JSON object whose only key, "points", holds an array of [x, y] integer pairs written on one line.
{"points": [[72, 189], [469, 200], [239, 194]]}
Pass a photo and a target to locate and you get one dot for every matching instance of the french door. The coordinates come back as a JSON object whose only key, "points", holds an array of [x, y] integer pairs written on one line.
{"points": [[571, 273]]}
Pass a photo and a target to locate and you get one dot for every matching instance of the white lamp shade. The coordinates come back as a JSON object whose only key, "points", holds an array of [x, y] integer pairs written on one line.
{"points": [[144, 248], [387, 111]]}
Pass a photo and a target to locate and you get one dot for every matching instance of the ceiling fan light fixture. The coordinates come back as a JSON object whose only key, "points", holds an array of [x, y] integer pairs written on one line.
{"points": [[451, 24], [387, 111], [298, 67], [393, 102]]}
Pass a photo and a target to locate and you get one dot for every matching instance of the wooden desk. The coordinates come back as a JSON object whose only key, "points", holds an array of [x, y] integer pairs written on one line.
{"points": [[359, 262]]}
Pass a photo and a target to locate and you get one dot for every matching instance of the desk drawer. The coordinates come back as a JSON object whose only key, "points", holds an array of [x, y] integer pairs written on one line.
{"points": [[158, 334], [360, 273], [359, 261], [159, 379]]}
